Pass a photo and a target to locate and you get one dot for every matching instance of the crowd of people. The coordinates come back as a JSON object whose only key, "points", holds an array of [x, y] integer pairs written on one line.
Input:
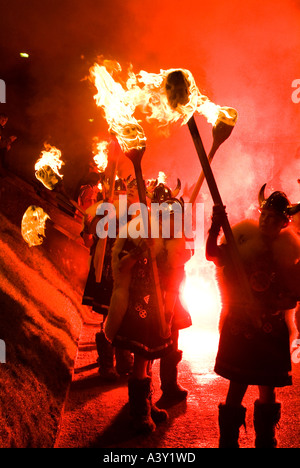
{"points": [[134, 284], [254, 347]]}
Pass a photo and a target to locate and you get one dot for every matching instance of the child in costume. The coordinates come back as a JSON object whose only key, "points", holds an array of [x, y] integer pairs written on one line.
{"points": [[133, 322], [98, 292]]}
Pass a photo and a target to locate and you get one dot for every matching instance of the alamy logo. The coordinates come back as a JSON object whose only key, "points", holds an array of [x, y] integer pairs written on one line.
{"points": [[165, 220], [296, 93], [2, 92], [2, 352], [296, 352]]}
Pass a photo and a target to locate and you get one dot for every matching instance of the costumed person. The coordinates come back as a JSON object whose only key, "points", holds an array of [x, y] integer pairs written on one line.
{"points": [[133, 318], [172, 391], [88, 193], [256, 353], [98, 291]]}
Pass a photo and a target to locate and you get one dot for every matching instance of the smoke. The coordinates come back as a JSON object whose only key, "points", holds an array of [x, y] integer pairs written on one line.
{"points": [[242, 54]]}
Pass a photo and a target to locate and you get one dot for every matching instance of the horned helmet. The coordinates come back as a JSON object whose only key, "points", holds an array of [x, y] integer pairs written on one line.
{"points": [[161, 193], [279, 202]]}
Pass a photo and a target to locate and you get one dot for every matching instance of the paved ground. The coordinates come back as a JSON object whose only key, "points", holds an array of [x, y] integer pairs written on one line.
{"points": [[96, 414]]}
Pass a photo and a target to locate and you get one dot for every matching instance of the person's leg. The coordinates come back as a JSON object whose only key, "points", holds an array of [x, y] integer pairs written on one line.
{"points": [[106, 354], [236, 393], [140, 367], [171, 389], [232, 416], [266, 394], [267, 414], [139, 392]]}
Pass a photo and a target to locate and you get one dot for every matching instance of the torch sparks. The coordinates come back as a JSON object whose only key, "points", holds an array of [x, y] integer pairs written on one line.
{"points": [[48, 166], [33, 225]]}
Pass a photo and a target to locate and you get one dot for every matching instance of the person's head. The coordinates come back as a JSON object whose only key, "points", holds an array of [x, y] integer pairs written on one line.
{"points": [[169, 208], [175, 209], [271, 222], [3, 119], [93, 178], [276, 212], [132, 192]]}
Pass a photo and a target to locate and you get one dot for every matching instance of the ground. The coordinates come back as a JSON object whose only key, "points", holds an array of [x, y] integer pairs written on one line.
{"points": [[96, 414]]}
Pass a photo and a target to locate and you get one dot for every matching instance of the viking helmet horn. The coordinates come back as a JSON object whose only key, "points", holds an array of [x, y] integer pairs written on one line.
{"points": [[261, 195], [150, 189], [177, 189], [293, 209]]}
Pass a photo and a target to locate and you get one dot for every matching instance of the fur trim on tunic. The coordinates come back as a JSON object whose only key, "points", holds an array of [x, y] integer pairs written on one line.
{"points": [[122, 273], [285, 250]]}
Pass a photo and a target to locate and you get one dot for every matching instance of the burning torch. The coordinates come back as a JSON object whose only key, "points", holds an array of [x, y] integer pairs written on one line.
{"points": [[177, 90], [47, 172], [118, 110]]}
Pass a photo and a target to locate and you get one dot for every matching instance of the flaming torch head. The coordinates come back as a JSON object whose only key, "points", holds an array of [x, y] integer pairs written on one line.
{"points": [[223, 127], [48, 166], [181, 91], [134, 140], [33, 225], [177, 88]]}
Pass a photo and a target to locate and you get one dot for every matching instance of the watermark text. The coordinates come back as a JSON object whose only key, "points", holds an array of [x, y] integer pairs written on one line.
{"points": [[164, 221], [2, 92], [2, 352], [296, 93]]}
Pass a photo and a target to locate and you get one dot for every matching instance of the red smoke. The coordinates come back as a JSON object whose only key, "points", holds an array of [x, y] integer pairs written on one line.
{"points": [[242, 54]]}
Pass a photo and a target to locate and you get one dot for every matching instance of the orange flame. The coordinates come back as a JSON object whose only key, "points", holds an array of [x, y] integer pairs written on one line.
{"points": [[151, 93], [118, 108], [100, 151], [33, 225], [48, 166]]}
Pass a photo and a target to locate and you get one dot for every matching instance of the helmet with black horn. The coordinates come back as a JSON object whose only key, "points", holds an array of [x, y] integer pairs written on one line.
{"points": [[162, 192], [279, 202]]}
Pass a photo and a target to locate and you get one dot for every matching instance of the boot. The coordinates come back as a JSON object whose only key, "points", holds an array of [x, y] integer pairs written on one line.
{"points": [[106, 358], [158, 415], [266, 417], [172, 391], [139, 392], [231, 418]]}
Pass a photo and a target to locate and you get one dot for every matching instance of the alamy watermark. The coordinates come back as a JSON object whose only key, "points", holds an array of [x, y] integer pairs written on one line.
{"points": [[2, 92], [166, 220], [296, 351], [2, 352], [296, 93]]}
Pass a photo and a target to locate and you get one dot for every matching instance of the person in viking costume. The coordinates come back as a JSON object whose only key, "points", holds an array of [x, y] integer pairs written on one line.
{"points": [[133, 319], [252, 354], [97, 293], [172, 391]]}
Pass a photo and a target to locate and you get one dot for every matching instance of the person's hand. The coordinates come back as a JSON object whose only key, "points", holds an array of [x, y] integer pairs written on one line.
{"points": [[217, 219]]}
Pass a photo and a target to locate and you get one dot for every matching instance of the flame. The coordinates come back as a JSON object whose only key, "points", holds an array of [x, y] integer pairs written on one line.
{"points": [[162, 178], [167, 97], [118, 107], [100, 151], [48, 166], [33, 225]]}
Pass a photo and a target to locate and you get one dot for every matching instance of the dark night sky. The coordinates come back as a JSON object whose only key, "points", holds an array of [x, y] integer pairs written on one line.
{"points": [[242, 54]]}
